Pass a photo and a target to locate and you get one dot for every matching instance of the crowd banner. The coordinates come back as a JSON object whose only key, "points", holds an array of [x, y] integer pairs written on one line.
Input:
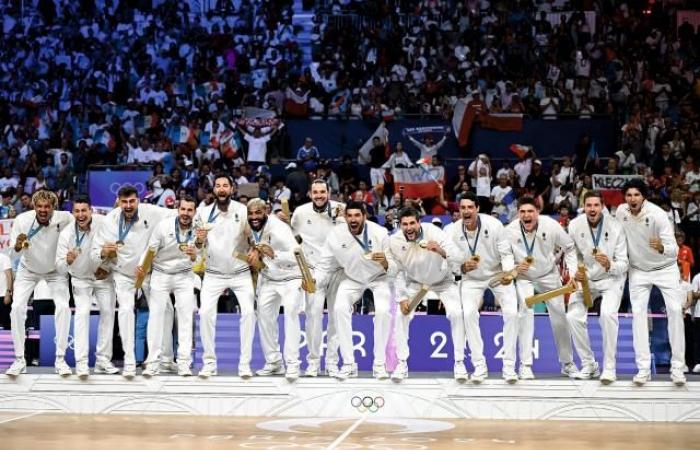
{"points": [[103, 185], [610, 186], [5, 228], [420, 182]]}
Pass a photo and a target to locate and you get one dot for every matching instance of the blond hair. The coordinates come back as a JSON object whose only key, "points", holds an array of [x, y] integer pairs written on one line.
{"points": [[43, 195], [257, 203]]}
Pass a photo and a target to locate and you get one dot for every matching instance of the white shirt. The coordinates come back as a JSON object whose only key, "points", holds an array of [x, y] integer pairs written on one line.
{"points": [[342, 249], [612, 243], [5, 264], [225, 237], [164, 240], [279, 236], [493, 247], [421, 265], [135, 241], [83, 266], [314, 227], [651, 222], [257, 147], [545, 240], [40, 257]]}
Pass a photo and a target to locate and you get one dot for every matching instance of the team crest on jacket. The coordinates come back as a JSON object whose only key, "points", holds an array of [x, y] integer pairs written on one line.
{"points": [[646, 221], [343, 245], [235, 217], [308, 221], [486, 234], [544, 236]]}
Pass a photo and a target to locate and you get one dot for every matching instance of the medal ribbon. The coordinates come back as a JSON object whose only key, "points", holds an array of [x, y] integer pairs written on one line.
{"points": [[528, 247], [472, 250], [177, 232], [124, 230], [365, 240], [33, 231], [257, 236], [212, 217], [78, 238], [596, 237]]}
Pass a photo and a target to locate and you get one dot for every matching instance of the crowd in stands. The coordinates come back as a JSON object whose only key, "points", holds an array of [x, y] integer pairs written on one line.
{"points": [[152, 82]]}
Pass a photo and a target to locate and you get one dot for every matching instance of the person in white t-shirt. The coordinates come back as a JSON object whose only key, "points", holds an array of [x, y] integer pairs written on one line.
{"points": [[257, 144], [480, 173], [5, 289], [503, 209]]}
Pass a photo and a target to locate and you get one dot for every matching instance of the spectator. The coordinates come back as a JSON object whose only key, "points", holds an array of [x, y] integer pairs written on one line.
{"points": [[308, 155], [257, 145]]}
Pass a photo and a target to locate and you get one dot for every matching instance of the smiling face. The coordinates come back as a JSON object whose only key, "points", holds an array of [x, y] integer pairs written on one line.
{"points": [[593, 208], [222, 190], [634, 200], [44, 210], [129, 205], [410, 227], [528, 215], [185, 213], [355, 219], [257, 216], [82, 214], [469, 211], [319, 194]]}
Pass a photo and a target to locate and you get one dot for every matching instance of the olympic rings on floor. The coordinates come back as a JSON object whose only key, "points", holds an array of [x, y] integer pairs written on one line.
{"points": [[367, 403]]}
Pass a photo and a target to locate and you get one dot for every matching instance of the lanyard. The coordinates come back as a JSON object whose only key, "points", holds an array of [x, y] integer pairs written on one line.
{"points": [[476, 241], [257, 236], [177, 232], [78, 238], [596, 237], [33, 231], [124, 230], [528, 248], [212, 217], [365, 240]]}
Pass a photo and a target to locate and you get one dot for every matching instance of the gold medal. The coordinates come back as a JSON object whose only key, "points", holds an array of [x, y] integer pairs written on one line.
{"points": [[368, 255], [595, 251], [476, 258], [25, 244], [183, 247], [529, 259], [78, 250], [119, 244], [423, 244]]}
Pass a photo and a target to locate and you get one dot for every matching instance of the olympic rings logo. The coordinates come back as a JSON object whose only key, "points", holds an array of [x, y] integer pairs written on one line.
{"points": [[367, 403], [114, 187]]}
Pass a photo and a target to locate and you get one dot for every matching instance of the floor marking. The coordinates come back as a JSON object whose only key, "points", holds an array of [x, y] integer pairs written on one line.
{"points": [[26, 416], [347, 432]]}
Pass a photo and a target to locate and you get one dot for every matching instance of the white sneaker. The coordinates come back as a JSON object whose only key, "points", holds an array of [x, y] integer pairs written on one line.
{"points": [[642, 377], [460, 372], [151, 370], [332, 370], [61, 368], [400, 373], [271, 369], [106, 367], [82, 370], [526, 373], [168, 367], [129, 371], [311, 369], [19, 366], [209, 370], [587, 372], [184, 370], [379, 372], [481, 372], [569, 369], [347, 371], [696, 369], [292, 373], [244, 372], [608, 376], [509, 375], [678, 377]]}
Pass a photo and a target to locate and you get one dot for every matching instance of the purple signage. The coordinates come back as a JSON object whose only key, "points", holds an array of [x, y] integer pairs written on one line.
{"points": [[103, 185]]}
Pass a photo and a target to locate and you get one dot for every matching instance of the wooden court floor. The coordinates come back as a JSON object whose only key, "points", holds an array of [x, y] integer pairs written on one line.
{"points": [[140, 432]]}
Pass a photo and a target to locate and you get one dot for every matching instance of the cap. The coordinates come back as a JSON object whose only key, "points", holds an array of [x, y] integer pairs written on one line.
{"points": [[436, 221], [290, 166], [537, 161]]}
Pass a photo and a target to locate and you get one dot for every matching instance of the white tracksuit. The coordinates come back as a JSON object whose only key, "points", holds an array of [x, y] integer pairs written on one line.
{"points": [[226, 272], [650, 268], [124, 267], [314, 227], [420, 266], [85, 287], [342, 250], [608, 284], [38, 262], [543, 273], [280, 283], [495, 255], [172, 274]]}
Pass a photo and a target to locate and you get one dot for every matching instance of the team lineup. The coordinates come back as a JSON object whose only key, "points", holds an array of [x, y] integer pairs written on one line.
{"points": [[325, 255]]}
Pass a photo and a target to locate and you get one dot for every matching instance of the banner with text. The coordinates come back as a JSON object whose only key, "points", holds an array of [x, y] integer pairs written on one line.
{"points": [[610, 186], [420, 182]]}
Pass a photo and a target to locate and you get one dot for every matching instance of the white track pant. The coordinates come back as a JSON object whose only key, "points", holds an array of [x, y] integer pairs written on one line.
{"points": [[472, 292], [271, 295], [24, 285], [167, 355], [162, 285], [557, 319], [611, 290], [106, 299], [449, 294], [668, 282], [126, 292], [213, 286], [349, 292], [314, 322]]}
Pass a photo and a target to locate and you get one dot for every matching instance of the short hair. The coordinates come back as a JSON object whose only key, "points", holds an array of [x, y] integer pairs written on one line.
{"points": [[82, 198], [44, 195], [409, 211], [591, 194], [356, 205], [224, 175], [526, 200], [638, 184], [469, 195], [127, 191], [188, 198], [256, 203], [321, 181]]}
